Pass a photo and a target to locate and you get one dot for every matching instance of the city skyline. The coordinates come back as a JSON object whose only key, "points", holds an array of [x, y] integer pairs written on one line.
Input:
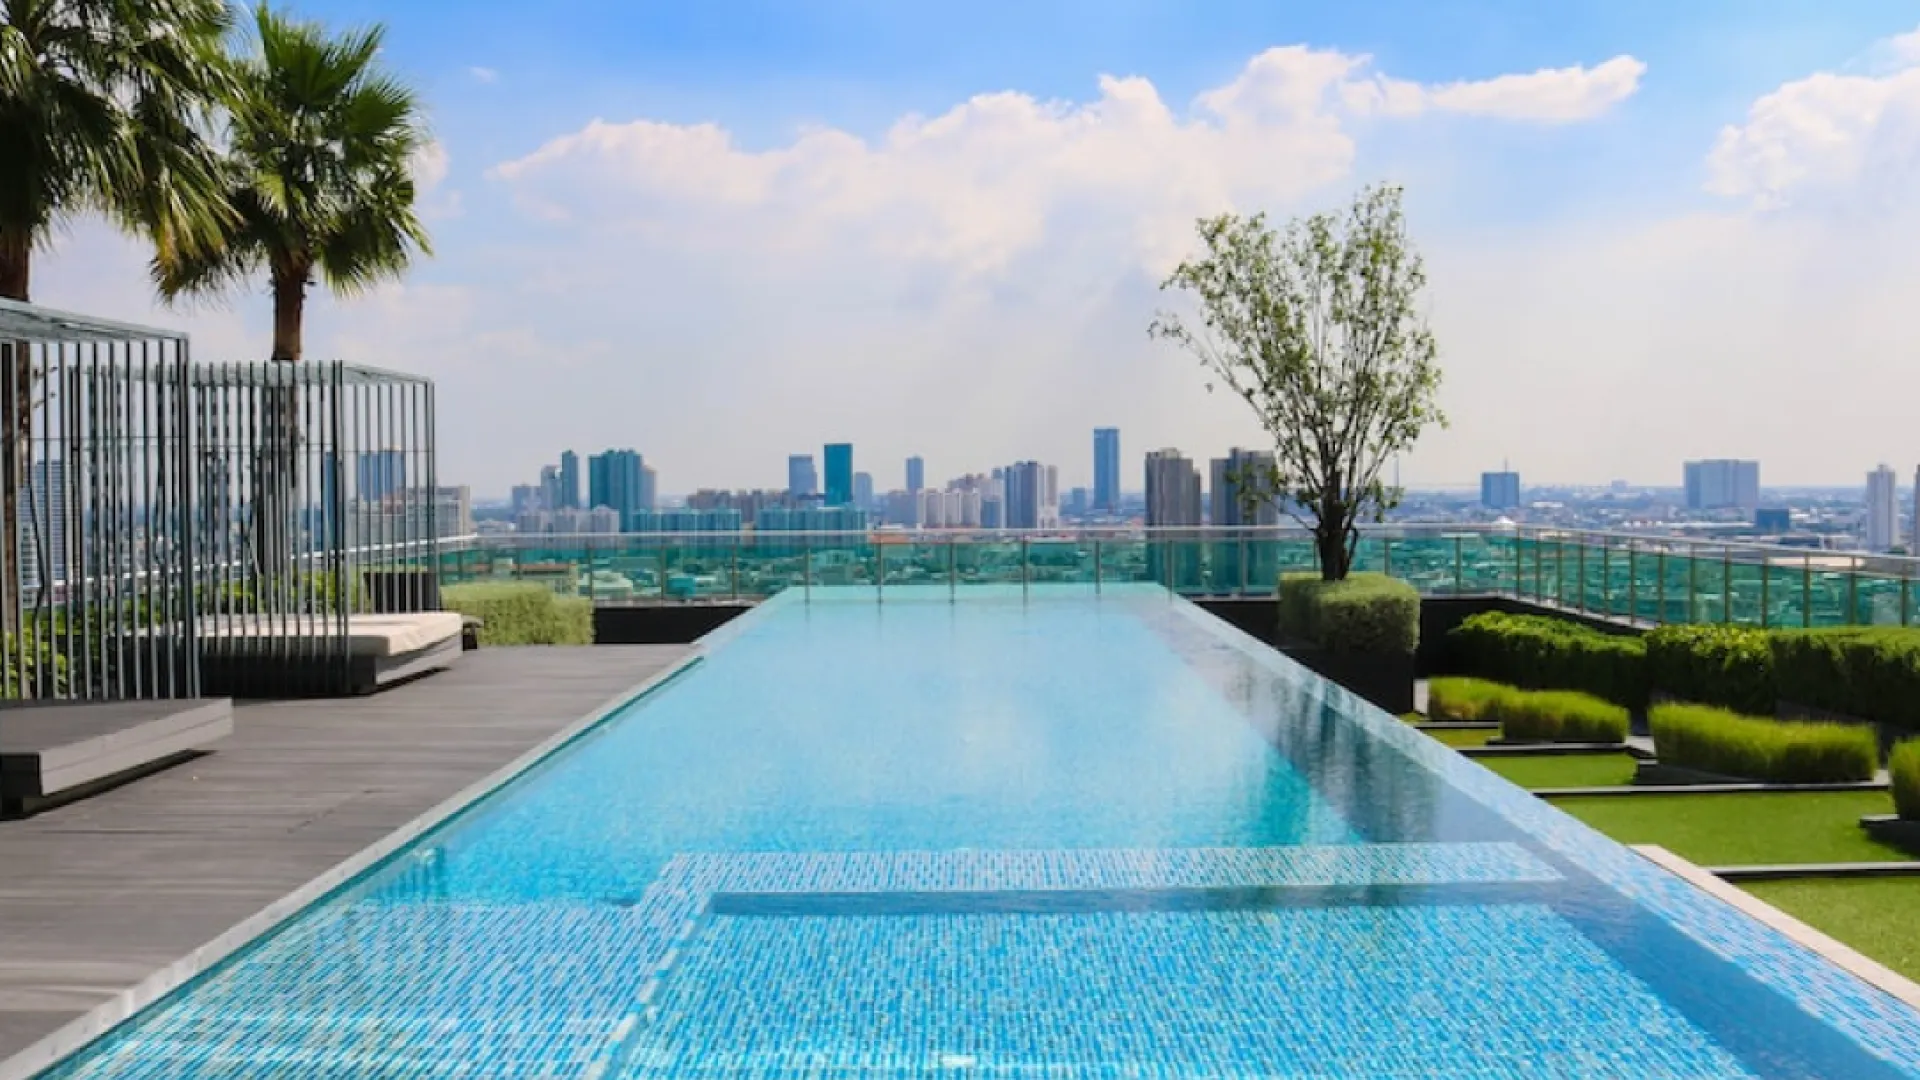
{"points": [[815, 257]]}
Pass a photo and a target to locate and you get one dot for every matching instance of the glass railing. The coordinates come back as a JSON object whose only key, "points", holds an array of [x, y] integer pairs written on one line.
{"points": [[1648, 580]]}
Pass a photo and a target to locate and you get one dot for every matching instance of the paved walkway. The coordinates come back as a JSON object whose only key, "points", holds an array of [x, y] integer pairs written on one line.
{"points": [[98, 895]]}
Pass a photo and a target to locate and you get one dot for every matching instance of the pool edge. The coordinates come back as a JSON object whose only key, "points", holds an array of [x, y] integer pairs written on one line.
{"points": [[70, 1038], [1827, 947]]}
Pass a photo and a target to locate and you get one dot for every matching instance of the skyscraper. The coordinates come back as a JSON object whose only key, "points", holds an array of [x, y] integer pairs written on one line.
{"points": [[838, 461], [863, 490], [1913, 541], [1500, 490], [616, 479], [1723, 483], [802, 481], [1883, 509], [1026, 483], [44, 519], [1241, 495], [1106, 470], [380, 473], [1173, 499], [549, 487], [916, 473], [569, 481]]}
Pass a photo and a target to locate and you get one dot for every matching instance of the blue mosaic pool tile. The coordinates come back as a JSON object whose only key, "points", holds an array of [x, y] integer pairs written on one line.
{"points": [[1347, 992], [1884, 1025], [415, 992]]}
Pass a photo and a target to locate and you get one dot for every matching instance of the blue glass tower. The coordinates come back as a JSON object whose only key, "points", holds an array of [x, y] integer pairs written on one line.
{"points": [[1106, 470], [839, 463], [617, 480]]}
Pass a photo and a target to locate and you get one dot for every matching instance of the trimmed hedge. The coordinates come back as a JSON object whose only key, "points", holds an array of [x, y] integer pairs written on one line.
{"points": [[1872, 672], [1783, 752], [1729, 666], [1542, 652], [522, 613], [1368, 613], [1903, 769], [1559, 716], [1456, 700]]}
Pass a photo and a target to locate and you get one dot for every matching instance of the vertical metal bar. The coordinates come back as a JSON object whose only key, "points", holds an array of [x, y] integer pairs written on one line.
{"points": [[1606, 578], [1766, 575], [953, 570], [1096, 566], [733, 572], [1459, 582], [806, 568], [1726, 584], [1853, 592], [1806, 590], [1660, 595], [1633, 583], [1023, 566], [1580, 563]]}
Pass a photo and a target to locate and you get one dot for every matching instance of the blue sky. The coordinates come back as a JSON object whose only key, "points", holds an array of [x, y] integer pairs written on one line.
{"points": [[801, 222]]}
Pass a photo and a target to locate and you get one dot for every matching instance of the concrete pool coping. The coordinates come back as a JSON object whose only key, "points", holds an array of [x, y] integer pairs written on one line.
{"points": [[55, 1047], [1842, 956]]}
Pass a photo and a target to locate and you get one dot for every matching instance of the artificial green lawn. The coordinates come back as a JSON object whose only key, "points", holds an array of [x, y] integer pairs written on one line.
{"points": [[1878, 916], [1563, 770], [1744, 830]]}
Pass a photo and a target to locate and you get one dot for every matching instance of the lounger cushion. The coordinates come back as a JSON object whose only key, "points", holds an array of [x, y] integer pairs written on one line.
{"points": [[368, 635]]}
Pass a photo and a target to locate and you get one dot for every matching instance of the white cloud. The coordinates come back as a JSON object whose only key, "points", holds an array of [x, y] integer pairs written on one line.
{"points": [[483, 74], [1550, 95], [430, 165], [1826, 135], [977, 187]]}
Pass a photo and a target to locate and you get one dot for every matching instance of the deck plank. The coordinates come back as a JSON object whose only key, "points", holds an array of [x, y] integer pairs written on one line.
{"points": [[99, 894]]}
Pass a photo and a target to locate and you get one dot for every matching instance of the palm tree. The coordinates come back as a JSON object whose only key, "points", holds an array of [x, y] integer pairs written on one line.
{"points": [[104, 105], [320, 180], [320, 145]]}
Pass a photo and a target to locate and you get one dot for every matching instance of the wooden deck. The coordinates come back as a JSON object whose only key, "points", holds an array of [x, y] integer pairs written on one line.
{"points": [[98, 895]]}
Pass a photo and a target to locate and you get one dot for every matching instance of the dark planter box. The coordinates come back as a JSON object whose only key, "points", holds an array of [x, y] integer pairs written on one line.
{"points": [[1386, 679], [660, 624], [1893, 829]]}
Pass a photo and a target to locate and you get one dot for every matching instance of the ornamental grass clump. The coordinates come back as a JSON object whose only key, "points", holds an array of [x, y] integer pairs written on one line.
{"points": [[1464, 701], [1560, 716], [1754, 748]]}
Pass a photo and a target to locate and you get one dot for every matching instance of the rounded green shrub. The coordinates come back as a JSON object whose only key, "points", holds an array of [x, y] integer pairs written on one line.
{"points": [[1755, 748], [1370, 613]]}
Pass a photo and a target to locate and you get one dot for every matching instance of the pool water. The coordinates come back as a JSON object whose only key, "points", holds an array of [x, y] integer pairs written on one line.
{"points": [[1012, 834]]}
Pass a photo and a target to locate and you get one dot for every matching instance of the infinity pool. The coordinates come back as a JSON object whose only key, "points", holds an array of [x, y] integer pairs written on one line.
{"points": [[1056, 834]]}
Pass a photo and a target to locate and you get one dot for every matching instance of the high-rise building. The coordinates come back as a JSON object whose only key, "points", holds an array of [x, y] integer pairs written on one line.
{"points": [[44, 520], [1723, 483], [916, 473], [1173, 490], [1032, 495], [1500, 490], [569, 481], [380, 473], [1883, 509], [863, 490], [525, 497], [549, 487], [837, 462], [1773, 519], [1913, 541], [453, 511], [802, 481], [1173, 500], [617, 479], [1106, 470], [1241, 496]]}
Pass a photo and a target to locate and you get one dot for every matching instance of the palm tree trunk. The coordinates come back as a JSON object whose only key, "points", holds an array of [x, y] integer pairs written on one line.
{"points": [[276, 462], [16, 411]]}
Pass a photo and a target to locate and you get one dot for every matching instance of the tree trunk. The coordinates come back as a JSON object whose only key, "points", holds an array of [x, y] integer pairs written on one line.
{"points": [[276, 459], [16, 411], [1330, 541]]}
